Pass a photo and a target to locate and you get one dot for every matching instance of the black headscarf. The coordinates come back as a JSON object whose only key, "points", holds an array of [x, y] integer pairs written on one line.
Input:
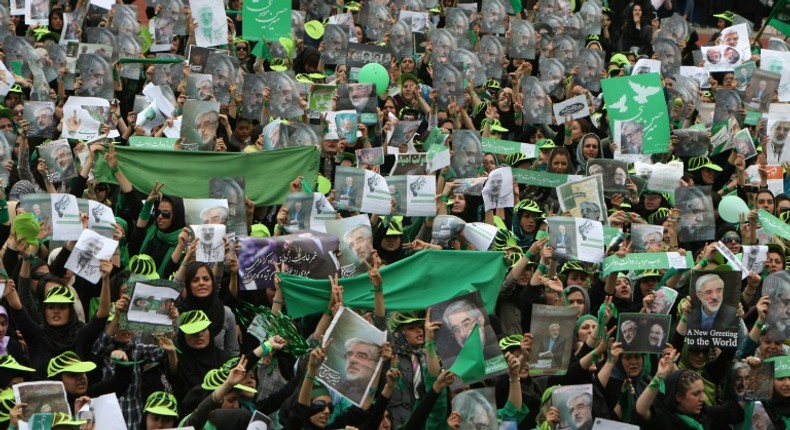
{"points": [[193, 364], [211, 305]]}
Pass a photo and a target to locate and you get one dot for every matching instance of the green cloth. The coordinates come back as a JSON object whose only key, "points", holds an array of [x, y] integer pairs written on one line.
{"points": [[780, 17], [414, 283], [470, 364], [691, 422], [267, 174], [153, 233], [271, 19], [25, 227]]}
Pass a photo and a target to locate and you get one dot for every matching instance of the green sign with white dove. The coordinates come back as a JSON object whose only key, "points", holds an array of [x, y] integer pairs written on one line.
{"points": [[639, 99]]}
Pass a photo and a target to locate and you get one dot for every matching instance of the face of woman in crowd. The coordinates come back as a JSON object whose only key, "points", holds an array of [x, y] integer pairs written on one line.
{"points": [[164, 219], [527, 222], [587, 327], [576, 131], [320, 419], [57, 314], [459, 203], [158, 422], [590, 148], [622, 288], [489, 163], [692, 400], [202, 285], [199, 340], [559, 164]]}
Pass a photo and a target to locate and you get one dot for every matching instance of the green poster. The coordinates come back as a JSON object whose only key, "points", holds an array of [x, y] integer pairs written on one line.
{"points": [[152, 142], [411, 284], [435, 137], [499, 146], [321, 97], [267, 174], [638, 100], [542, 179], [780, 17], [270, 18], [641, 261], [773, 224]]}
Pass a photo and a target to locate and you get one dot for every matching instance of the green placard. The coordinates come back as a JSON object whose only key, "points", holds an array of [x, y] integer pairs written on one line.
{"points": [[774, 225], [500, 146], [640, 99], [152, 142], [540, 179], [271, 18], [641, 261]]}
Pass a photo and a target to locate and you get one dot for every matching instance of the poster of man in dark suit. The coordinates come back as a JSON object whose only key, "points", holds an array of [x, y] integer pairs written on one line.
{"points": [[714, 313]]}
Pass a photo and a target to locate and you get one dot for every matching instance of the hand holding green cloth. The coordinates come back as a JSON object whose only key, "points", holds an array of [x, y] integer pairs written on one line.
{"points": [[267, 174], [414, 283], [470, 365]]}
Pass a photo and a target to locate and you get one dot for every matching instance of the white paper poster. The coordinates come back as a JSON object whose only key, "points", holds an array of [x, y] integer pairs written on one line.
{"points": [[90, 248], [498, 189], [101, 219], [660, 177], [479, 235], [66, 224], [212, 27], [375, 195], [413, 195], [575, 108], [211, 242]]}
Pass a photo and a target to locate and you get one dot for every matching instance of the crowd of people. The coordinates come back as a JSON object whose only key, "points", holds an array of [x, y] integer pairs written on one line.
{"points": [[654, 294]]}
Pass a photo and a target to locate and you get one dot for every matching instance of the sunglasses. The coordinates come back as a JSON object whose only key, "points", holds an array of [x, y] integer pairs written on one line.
{"points": [[318, 406], [19, 112], [242, 48], [730, 239], [163, 214]]}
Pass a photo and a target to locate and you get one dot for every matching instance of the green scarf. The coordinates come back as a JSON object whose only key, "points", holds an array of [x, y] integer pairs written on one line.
{"points": [[167, 238], [691, 422]]}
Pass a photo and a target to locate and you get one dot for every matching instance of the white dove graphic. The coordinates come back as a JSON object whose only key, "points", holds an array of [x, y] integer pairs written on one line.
{"points": [[642, 92], [620, 105]]}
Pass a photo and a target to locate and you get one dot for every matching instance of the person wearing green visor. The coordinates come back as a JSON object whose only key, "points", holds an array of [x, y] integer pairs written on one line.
{"points": [[160, 411], [60, 330], [407, 338], [225, 387], [197, 351], [73, 373], [11, 372]]}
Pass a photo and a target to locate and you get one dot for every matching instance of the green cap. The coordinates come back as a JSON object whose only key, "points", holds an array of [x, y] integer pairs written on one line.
{"points": [[353, 6], [314, 29], [216, 377], [702, 162], [16, 88], [512, 341], [397, 319], [6, 113], [143, 265], [9, 362], [25, 227], [68, 362], [191, 322], [260, 230], [59, 294], [7, 402], [781, 366], [546, 143], [64, 419], [620, 59], [727, 15], [496, 125], [162, 403], [323, 185]]}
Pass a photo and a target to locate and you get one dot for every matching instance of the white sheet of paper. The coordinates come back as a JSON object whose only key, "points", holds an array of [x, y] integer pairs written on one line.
{"points": [[479, 234], [778, 62], [677, 261], [174, 132], [575, 107], [440, 160], [90, 248], [107, 412], [145, 304], [654, 66], [66, 224], [154, 93], [212, 29], [101, 218], [498, 189], [421, 196], [317, 220], [375, 195], [8, 80]]}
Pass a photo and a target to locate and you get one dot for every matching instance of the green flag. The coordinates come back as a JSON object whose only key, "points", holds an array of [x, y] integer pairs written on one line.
{"points": [[271, 18], [470, 364], [780, 17], [773, 224], [639, 99], [267, 174], [414, 283]]}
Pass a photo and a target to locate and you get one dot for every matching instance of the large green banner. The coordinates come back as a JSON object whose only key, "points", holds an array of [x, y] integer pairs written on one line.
{"points": [[414, 283], [636, 105], [266, 174]]}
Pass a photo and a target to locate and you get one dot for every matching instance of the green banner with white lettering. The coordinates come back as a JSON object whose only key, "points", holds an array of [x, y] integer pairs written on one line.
{"points": [[651, 260], [542, 179]]}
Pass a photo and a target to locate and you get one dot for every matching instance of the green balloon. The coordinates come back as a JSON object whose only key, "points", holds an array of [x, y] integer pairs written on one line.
{"points": [[731, 207], [375, 73]]}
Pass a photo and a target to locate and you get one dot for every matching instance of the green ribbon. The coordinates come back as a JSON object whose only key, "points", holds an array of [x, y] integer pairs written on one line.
{"points": [[691, 422], [748, 412], [275, 325], [602, 318]]}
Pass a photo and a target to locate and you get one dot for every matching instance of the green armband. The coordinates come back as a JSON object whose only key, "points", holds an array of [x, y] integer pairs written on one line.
{"points": [[656, 382], [759, 325], [595, 356], [115, 169], [529, 255], [4, 216], [703, 263], [543, 268], [431, 347], [145, 212], [683, 319], [445, 198], [267, 348]]}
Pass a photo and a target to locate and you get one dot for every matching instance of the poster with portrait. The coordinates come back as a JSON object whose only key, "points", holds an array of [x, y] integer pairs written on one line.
{"points": [[660, 176], [761, 89], [479, 235], [212, 27], [206, 211], [231, 190], [414, 195], [211, 242], [777, 287], [577, 238], [307, 254], [458, 316], [322, 211], [522, 43], [320, 100], [713, 320], [300, 208], [448, 83], [744, 144], [252, 97], [642, 332], [356, 243], [438, 157], [40, 205], [552, 339], [59, 160], [403, 133], [41, 117], [696, 213], [537, 108], [584, 198], [737, 38], [100, 218], [491, 54], [774, 61], [445, 229], [223, 69], [148, 309], [37, 12], [285, 95], [41, 397], [199, 87], [720, 58], [368, 157], [96, 75], [753, 258], [346, 123], [467, 156], [358, 55], [692, 142], [362, 189], [354, 356], [575, 405], [200, 122], [613, 172], [335, 44], [6, 80], [360, 98], [83, 117], [664, 300], [91, 247], [498, 189], [754, 383], [743, 73], [698, 75], [402, 38], [644, 237], [478, 409], [65, 218]]}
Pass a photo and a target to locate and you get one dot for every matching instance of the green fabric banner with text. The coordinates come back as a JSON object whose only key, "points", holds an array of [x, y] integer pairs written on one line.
{"points": [[267, 174], [542, 179], [773, 224], [641, 261], [412, 284]]}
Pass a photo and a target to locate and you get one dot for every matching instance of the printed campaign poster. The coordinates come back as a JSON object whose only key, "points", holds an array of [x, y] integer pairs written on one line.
{"points": [[553, 337], [306, 254], [300, 208], [362, 190], [353, 358], [445, 229], [205, 211], [66, 224], [149, 306], [211, 242], [459, 316], [777, 287], [696, 213], [356, 243], [584, 198], [613, 172], [83, 116], [467, 154], [413, 163], [575, 405], [230, 189], [641, 332], [646, 236], [438, 157], [574, 108], [322, 211], [41, 397], [89, 249], [577, 238], [479, 409], [41, 117], [479, 235], [413, 195], [692, 142], [498, 189], [753, 258], [713, 321], [660, 177], [212, 28], [368, 157], [664, 300], [59, 160]]}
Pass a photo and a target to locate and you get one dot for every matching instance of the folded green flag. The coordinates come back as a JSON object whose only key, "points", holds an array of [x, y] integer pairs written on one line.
{"points": [[470, 364], [414, 283], [267, 174]]}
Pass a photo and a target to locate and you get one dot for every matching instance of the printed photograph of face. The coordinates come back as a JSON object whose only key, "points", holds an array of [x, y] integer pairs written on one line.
{"points": [[223, 72], [714, 303], [473, 69], [335, 44], [359, 97], [443, 45], [401, 39], [466, 154], [493, 20], [491, 53], [456, 21], [252, 95], [668, 52], [696, 213], [522, 40], [378, 21], [476, 411], [777, 287], [537, 109], [448, 83], [590, 64], [285, 96], [631, 137], [96, 77]]}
